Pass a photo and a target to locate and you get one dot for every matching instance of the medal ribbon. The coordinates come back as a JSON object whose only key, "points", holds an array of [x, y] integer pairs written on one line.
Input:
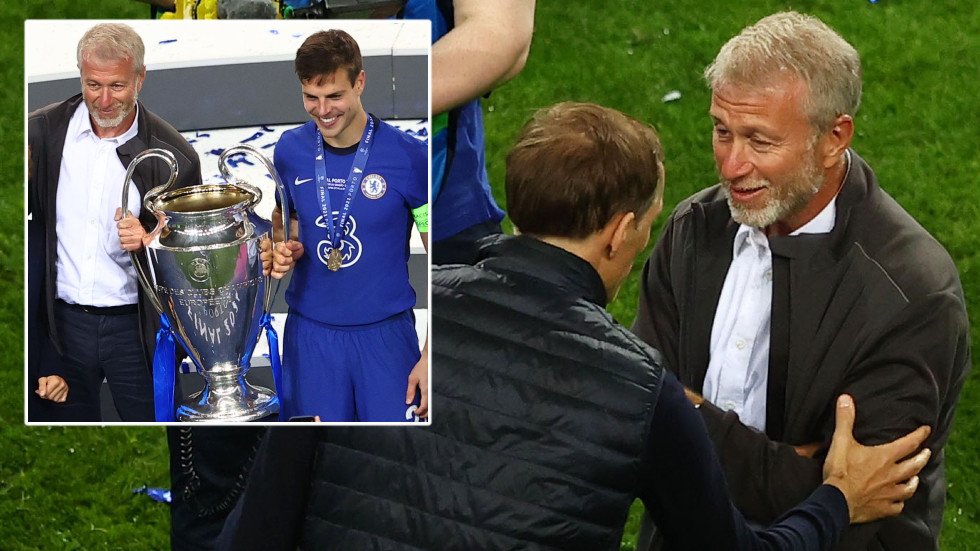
{"points": [[353, 181], [273, 339], [164, 359]]}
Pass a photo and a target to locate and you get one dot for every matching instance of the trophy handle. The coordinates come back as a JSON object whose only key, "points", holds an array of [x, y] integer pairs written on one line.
{"points": [[148, 203], [280, 188], [280, 191]]}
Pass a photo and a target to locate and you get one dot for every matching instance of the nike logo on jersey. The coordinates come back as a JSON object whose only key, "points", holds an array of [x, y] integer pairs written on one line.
{"points": [[297, 181]]}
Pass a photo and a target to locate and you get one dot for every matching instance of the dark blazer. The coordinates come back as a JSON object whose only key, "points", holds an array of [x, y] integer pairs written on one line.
{"points": [[874, 309], [46, 130]]}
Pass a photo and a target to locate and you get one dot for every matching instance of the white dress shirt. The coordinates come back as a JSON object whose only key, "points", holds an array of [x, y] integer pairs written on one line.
{"points": [[92, 268], [738, 371]]}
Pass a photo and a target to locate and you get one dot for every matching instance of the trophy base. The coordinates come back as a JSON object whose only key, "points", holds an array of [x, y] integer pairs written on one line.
{"points": [[228, 397]]}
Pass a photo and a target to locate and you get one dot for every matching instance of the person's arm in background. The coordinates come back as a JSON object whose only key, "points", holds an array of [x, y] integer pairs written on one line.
{"points": [[418, 379], [50, 386], [487, 46], [685, 492]]}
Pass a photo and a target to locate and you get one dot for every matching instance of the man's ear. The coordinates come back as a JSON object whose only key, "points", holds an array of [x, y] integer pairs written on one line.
{"points": [[836, 140], [359, 83], [140, 79], [618, 230]]}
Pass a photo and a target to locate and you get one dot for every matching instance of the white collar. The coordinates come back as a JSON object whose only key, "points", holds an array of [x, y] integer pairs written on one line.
{"points": [[749, 236]]}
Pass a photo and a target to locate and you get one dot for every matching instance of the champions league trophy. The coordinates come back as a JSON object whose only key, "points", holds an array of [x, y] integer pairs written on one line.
{"points": [[203, 272]]}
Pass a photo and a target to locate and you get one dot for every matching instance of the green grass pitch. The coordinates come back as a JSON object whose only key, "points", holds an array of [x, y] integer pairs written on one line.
{"points": [[69, 488]]}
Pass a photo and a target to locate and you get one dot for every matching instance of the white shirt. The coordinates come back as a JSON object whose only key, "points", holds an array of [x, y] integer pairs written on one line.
{"points": [[738, 371], [92, 268]]}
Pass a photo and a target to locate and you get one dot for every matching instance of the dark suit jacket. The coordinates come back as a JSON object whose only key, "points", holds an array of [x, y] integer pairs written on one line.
{"points": [[46, 129], [874, 309]]}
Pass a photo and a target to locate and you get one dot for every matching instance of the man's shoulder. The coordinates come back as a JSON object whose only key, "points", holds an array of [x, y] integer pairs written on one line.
{"points": [[512, 307], [392, 136], [893, 241], [291, 144], [55, 114], [159, 133], [297, 132], [712, 194]]}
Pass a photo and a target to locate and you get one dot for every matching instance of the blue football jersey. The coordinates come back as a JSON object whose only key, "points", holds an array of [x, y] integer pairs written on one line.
{"points": [[372, 283]]}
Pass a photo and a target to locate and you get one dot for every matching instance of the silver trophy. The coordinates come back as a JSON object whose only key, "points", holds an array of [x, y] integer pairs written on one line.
{"points": [[203, 271]]}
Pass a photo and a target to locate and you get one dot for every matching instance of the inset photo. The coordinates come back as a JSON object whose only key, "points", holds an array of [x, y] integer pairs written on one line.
{"points": [[227, 221]]}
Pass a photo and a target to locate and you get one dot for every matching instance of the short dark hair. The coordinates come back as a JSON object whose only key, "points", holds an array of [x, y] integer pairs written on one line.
{"points": [[576, 165], [323, 52]]}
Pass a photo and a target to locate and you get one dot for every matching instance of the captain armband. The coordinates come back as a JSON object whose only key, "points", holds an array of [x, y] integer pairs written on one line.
{"points": [[421, 216]]}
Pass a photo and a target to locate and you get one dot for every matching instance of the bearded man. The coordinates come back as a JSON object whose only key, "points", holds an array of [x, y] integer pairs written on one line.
{"points": [[93, 322], [798, 278]]}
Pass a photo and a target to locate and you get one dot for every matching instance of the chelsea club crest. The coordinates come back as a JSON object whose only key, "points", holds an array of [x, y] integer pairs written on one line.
{"points": [[373, 186]]}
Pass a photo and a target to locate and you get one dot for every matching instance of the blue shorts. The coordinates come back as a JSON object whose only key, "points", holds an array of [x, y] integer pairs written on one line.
{"points": [[348, 374]]}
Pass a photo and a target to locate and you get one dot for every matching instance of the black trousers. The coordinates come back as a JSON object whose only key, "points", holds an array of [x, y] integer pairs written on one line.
{"points": [[96, 348]]}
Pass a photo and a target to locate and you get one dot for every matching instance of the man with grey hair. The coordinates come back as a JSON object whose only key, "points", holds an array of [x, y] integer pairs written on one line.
{"points": [[93, 322], [798, 278]]}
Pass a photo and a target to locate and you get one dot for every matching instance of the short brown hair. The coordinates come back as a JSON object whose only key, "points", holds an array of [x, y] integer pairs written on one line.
{"points": [[323, 52], [576, 165]]}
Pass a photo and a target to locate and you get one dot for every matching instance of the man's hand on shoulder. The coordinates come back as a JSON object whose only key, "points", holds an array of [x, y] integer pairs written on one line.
{"points": [[875, 480]]}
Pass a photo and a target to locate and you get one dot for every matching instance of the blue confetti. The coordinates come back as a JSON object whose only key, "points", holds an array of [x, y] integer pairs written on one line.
{"points": [[161, 495], [253, 137], [238, 159], [168, 41], [200, 134], [273, 31]]}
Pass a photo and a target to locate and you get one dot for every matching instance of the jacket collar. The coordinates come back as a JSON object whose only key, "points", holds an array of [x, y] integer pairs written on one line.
{"points": [[825, 248], [821, 248], [554, 266]]}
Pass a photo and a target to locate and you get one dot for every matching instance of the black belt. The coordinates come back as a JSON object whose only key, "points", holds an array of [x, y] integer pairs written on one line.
{"points": [[122, 310]]}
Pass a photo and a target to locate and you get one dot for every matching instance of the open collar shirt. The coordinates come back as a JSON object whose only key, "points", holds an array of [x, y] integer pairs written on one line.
{"points": [[92, 268], [738, 371]]}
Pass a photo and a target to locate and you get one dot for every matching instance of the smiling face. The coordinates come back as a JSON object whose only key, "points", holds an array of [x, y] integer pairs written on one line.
{"points": [[765, 152], [335, 105], [110, 90]]}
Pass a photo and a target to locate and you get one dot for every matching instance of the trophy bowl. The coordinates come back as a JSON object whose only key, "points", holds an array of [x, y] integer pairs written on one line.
{"points": [[203, 272]]}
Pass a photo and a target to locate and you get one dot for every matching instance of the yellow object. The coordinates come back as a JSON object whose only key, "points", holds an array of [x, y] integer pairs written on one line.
{"points": [[421, 216], [200, 9], [194, 9]]}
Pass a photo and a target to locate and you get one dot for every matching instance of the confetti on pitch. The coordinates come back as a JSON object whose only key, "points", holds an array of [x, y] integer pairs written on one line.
{"points": [[161, 495], [673, 95]]}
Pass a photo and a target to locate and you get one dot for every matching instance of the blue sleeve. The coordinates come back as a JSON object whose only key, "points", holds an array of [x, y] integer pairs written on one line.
{"points": [[418, 192], [685, 492]]}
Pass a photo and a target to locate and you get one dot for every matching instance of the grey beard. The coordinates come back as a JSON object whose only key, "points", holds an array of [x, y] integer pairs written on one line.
{"points": [[117, 120]]}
